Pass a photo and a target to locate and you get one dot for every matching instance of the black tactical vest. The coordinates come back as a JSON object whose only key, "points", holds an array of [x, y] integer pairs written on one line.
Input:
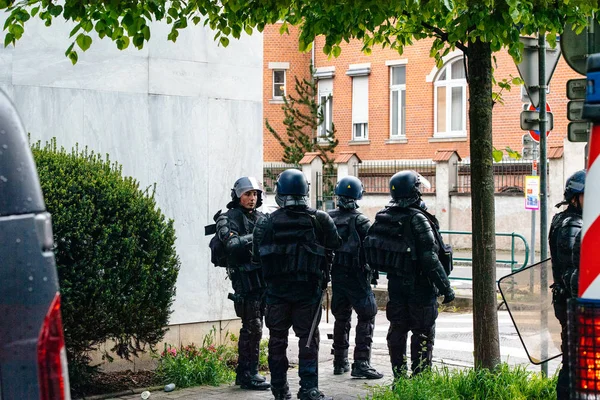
{"points": [[561, 261], [349, 253], [291, 248], [245, 276], [389, 245]]}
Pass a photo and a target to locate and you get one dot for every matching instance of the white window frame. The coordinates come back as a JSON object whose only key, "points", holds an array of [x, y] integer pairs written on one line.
{"points": [[401, 105], [276, 97], [360, 117], [449, 83], [325, 91]]}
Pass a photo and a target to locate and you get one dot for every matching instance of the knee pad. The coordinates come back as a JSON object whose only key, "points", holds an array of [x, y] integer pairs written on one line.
{"points": [[255, 327]]}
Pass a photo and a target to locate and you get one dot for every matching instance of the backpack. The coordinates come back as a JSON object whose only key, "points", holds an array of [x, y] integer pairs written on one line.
{"points": [[445, 250], [218, 255], [349, 254]]}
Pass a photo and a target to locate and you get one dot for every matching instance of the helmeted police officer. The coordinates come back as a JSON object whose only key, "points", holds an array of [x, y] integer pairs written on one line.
{"points": [[292, 245], [351, 283], [564, 250], [402, 243], [234, 229]]}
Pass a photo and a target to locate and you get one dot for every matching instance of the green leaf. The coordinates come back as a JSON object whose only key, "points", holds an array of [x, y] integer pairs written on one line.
{"points": [[75, 30], [497, 155], [69, 49], [146, 32], [73, 57], [84, 41], [34, 11], [196, 20], [8, 39], [123, 42], [337, 50], [224, 41]]}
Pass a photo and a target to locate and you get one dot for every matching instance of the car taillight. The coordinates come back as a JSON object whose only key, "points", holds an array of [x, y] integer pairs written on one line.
{"points": [[52, 356]]}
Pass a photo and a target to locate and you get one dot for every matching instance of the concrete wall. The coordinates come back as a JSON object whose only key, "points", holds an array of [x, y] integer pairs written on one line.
{"points": [[187, 116]]}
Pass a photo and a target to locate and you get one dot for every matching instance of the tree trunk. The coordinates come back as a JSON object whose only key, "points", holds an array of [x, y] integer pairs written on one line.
{"points": [[485, 317]]}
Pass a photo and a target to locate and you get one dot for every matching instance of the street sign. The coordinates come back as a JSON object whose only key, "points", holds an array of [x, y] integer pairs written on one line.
{"points": [[575, 110], [575, 46], [529, 69], [530, 120], [576, 89], [579, 131]]}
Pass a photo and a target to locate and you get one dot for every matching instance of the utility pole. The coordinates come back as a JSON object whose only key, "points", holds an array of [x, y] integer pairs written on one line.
{"points": [[543, 165]]}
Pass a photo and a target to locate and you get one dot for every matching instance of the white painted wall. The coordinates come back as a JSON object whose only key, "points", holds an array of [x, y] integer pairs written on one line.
{"points": [[187, 116]]}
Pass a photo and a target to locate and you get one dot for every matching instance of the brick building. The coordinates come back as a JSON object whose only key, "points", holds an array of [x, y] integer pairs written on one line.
{"points": [[387, 106]]}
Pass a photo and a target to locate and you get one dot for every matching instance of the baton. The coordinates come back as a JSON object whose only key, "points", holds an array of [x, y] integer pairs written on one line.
{"points": [[314, 323]]}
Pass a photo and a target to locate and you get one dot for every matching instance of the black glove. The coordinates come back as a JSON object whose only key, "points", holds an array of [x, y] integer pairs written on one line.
{"points": [[449, 296], [374, 281]]}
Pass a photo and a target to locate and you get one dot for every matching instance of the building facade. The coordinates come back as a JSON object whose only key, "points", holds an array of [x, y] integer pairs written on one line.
{"points": [[387, 106]]}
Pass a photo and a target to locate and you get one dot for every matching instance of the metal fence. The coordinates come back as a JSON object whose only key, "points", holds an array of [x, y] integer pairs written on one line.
{"points": [[325, 189], [270, 173], [509, 176], [375, 175]]}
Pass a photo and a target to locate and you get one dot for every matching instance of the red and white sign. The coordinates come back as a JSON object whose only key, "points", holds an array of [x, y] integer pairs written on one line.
{"points": [[535, 135], [589, 268]]}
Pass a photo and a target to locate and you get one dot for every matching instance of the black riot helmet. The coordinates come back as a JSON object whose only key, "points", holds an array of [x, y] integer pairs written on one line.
{"points": [[292, 182], [245, 184], [349, 186], [404, 187], [575, 185]]}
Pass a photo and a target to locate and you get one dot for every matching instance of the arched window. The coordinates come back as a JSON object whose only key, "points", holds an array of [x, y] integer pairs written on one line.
{"points": [[450, 99]]}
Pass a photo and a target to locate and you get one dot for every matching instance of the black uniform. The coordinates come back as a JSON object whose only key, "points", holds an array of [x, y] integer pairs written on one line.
{"points": [[234, 229], [565, 228], [402, 243], [292, 244], [351, 286]]}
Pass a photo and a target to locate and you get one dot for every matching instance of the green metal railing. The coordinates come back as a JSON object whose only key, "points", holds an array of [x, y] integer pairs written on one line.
{"points": [[513, 262]]}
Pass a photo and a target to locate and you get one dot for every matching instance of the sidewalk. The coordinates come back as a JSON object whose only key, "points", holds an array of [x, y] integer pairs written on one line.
{"points": [[341, 387]]}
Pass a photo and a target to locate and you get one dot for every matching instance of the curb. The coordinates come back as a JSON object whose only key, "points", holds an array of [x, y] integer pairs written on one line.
{"points": [[121, 393]]}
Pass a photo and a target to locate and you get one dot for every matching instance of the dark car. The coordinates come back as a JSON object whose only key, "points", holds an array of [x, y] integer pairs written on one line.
{"points": [[33, 362]]}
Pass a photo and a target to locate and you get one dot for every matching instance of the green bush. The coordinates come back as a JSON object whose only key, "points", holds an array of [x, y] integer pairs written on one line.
{"points": [[191, 366], [115, 254], [505, 383]]}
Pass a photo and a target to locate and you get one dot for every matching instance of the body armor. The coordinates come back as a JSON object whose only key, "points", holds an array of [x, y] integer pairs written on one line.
{"points": [[234, 229], [349, 254], [291, 248], [564, 229], [389, 245]]}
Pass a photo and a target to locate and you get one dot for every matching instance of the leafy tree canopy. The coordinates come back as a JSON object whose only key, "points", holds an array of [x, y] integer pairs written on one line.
{"points": [[390, 23]]}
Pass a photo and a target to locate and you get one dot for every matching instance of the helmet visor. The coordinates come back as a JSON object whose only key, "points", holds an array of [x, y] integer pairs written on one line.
{"points": [[424, 182]]}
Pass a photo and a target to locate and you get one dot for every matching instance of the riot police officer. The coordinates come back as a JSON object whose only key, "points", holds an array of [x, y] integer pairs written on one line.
{"points": [[351, 284], [292, 244], [564, 230], [234, 229], [402, 243]]}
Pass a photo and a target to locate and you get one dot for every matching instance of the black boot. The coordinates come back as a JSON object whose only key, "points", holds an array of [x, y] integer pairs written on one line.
{"points": [[340, 366], [247, 381], [312, 394], [282, 394], [362, 369]]}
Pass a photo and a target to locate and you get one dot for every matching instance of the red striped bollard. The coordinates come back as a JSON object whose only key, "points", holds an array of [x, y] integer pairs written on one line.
{"points": [[584, 313]]}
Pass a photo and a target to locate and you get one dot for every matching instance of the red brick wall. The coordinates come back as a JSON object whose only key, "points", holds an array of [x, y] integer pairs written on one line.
{"points": [[419, 99], [279, 48]]}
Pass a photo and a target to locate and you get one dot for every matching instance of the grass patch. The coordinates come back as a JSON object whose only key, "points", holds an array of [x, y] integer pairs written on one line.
{"points": [[504, 383], [190, 365]]}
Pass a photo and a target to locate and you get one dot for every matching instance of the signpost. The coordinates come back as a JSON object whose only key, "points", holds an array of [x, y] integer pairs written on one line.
{"points": [[530, 120], [529, 71]]}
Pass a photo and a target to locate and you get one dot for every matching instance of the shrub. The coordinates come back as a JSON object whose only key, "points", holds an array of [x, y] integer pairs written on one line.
{"points": [[191, 366], [505, 383], [115, 254]]}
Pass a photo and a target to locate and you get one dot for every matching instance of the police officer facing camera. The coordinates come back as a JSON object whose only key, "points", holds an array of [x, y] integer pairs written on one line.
{"points": [[402, 243], [292, 244], [351, 284], [564, 238], [234, 229]]}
